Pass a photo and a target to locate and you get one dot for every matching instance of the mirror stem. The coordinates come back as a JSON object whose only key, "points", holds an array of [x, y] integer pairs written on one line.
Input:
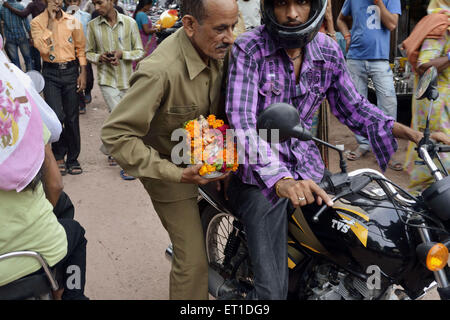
{"points": [[342, 162]]}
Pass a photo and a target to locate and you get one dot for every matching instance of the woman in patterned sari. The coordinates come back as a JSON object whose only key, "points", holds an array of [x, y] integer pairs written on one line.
{"points": [[434, 52]]}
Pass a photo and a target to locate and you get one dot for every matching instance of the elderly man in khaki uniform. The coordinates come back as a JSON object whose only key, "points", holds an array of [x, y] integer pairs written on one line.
{"points": [[180, 81]]}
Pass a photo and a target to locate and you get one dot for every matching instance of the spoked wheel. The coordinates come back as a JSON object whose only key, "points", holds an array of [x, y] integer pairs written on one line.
{"points": [[226, 246]]}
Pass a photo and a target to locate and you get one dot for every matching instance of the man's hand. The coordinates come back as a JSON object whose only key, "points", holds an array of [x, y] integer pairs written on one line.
{"points": [[191, 175], [6, 5], [302, 192], [81, 81], [348, 39], [440, 137], [117, 55], [388, 19], [105, 57]]}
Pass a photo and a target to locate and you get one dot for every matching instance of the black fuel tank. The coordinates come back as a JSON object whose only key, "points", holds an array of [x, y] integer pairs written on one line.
{"points": [[356, 238]]}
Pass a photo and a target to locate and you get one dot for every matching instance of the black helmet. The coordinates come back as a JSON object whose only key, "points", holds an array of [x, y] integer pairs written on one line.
{"points": [[294, 37]]}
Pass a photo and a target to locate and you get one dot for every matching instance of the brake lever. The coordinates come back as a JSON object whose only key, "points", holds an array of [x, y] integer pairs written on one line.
{"points": [[322, 210]]}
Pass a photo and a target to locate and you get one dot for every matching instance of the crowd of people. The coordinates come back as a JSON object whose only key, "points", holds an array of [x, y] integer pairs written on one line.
{"points": [[151, 90]]}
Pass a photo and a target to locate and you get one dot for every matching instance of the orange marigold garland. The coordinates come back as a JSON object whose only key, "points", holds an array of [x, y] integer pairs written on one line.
{"points": [[209, 144]]}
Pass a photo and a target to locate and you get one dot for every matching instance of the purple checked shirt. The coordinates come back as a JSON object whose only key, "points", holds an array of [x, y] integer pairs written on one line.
{"points": [[260, 74]]}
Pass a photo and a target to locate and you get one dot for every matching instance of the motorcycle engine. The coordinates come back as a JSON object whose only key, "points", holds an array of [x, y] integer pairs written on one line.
{"points": [[331, 284]]}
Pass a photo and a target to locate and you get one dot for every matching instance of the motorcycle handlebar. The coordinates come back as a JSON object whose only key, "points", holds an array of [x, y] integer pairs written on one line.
{"points": [[443, 148], [349, 185]]}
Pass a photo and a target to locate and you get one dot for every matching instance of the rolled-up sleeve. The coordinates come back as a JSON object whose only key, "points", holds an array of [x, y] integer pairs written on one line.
{"points": [[362, 117]]}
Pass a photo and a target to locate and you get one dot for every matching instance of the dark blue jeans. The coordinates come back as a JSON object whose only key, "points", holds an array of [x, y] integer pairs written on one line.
{"points": [[266, 226], [12, 47]]}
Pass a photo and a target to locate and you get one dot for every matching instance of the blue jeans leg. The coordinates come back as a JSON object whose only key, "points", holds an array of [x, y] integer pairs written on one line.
{"points": [[359, 74], [11, 48], [381, 74], [383, 80], [24, 46]]}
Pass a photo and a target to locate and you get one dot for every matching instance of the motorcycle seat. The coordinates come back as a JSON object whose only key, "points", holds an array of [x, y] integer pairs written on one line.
{"points": [[31, 286]]}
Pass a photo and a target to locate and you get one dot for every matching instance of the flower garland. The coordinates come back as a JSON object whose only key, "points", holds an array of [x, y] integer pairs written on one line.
{"points": [[209, 144]]}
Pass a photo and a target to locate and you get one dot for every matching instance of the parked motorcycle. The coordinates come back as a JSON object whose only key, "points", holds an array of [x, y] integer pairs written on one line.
{"points": [[376, 242], [165, 31]]}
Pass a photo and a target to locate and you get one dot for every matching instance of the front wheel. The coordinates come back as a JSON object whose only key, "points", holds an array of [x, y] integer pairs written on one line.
{"points": [[226, 247]]}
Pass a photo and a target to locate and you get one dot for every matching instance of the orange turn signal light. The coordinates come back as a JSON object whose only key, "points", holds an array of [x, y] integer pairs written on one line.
{"points": [[437, 257]]}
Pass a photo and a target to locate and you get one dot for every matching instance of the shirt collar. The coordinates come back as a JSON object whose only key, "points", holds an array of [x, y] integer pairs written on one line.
{"points": [[119, 19], [194, 62], [64, 16]]}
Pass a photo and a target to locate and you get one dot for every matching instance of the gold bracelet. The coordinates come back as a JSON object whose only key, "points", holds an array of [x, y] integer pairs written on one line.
{"points": [[276, 185]]}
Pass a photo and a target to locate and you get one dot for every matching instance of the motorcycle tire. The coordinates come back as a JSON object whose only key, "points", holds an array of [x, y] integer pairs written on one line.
{"points": [[217, 228]]}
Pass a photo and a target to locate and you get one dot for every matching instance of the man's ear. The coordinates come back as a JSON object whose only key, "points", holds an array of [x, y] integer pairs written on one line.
{"points": [[189, 24]]}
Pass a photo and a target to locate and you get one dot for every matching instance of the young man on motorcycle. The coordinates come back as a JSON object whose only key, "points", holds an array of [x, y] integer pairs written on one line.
{"points": [[287, 60], [179, 81]]}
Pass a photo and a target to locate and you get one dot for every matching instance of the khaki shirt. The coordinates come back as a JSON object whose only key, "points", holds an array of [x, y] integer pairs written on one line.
{"points": [[170, 87]]}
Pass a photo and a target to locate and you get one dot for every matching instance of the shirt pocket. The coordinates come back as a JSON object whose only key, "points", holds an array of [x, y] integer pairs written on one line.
{"points": [[269, 91], [176, 116]]}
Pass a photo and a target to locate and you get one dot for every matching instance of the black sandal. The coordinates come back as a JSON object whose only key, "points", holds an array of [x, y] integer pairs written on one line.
{"points": [[75, 169], [62, 168]]}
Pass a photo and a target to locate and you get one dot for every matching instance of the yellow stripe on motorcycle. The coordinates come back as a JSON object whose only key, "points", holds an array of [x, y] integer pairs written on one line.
{"points": [[359, 230], [365, 217], [291, 263]]}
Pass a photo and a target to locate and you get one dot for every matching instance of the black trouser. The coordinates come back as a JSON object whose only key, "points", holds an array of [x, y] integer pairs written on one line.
{"points": [[36, 57], [73, 265], [75, 259], [60, 93], [71, 270]]}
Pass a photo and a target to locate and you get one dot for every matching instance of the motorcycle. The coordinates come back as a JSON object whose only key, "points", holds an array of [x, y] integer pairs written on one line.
{"points": [[377, 242], [158, 16]]}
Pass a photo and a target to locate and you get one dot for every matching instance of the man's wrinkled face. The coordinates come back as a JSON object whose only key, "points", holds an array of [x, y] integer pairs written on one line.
{"points": [[291, 13], [213, 36], [103, 6]]}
